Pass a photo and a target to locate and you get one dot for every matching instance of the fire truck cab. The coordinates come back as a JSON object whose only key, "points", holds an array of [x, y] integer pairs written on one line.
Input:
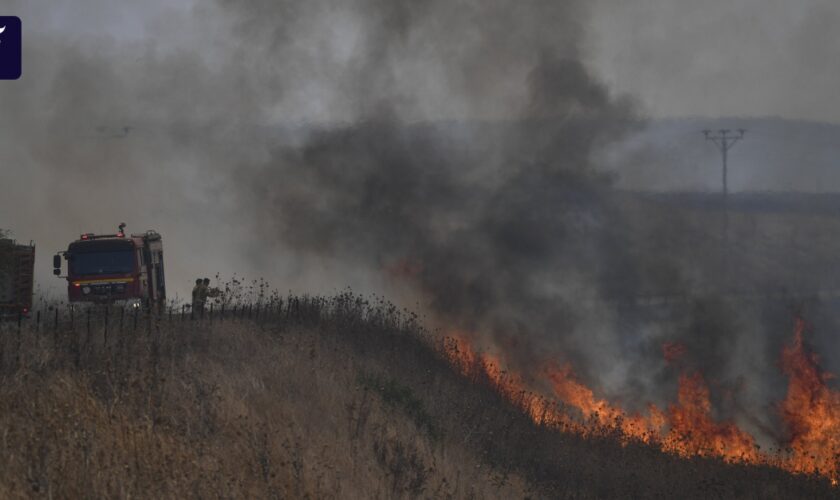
{"points": [[111, 268]]}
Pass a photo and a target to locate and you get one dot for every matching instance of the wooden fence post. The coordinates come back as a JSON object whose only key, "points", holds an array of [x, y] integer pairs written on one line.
{"points": [[105, 331], [17, 350], [55, 327]]}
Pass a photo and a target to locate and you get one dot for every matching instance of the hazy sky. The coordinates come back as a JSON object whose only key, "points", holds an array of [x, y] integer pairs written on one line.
{"points": [[678, 58], [722, 57]]}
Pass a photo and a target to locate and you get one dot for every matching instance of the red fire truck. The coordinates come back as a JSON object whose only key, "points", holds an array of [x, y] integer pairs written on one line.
{"points": [[112, 268]]}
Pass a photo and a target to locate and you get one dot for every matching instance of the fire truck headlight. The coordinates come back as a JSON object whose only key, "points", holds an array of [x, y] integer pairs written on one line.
{"points": [[86, 290]]}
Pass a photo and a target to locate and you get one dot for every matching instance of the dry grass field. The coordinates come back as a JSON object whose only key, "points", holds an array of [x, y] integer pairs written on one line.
{"points": [[317, 398]]}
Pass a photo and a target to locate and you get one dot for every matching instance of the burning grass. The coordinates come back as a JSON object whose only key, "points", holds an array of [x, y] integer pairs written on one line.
{"points": [[327, 398], [810, 411]]}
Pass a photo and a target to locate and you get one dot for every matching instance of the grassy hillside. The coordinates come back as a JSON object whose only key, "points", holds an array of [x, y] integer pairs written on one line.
{"points": [[328, 398]]}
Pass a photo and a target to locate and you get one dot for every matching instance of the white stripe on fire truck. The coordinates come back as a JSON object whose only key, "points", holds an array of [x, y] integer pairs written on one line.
{"points": [[105, 281]]}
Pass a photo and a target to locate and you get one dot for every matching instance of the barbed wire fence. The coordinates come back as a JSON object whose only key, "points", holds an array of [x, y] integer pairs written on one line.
{"points": [[92, 336], [60, 333]]}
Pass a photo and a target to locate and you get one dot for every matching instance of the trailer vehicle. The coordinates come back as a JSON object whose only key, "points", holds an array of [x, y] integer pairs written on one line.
{"points": [[17, 271], [113, 268]]}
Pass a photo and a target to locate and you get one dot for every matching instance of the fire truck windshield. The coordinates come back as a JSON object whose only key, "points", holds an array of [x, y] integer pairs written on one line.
{"points": [[118, 262]]}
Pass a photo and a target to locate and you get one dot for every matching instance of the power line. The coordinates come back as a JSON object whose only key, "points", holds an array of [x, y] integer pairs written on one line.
{"points": [[724, 139]]}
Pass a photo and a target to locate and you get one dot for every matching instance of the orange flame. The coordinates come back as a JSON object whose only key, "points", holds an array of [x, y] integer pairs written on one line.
{"points": [[542, 411], [694, 432], [811, 410], [598, 411]]}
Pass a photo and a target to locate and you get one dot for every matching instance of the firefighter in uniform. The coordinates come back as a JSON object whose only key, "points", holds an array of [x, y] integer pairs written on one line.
{"points": [[198, 296], [208, 290]]}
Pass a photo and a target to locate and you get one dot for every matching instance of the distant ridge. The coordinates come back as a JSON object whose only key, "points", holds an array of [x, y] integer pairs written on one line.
{"points": [[759, 202], [777, 155]]}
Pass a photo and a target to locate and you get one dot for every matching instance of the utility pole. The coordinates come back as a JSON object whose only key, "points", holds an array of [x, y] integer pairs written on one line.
{"points": [[724, 139]]}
